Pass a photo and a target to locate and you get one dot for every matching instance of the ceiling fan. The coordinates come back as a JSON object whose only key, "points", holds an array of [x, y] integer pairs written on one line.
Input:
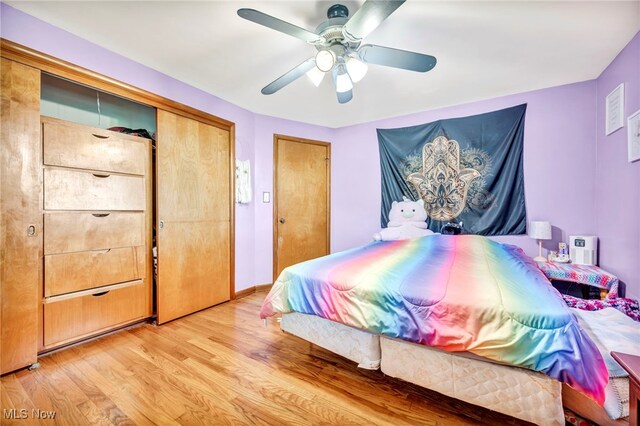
{"points": [[338, 41]]}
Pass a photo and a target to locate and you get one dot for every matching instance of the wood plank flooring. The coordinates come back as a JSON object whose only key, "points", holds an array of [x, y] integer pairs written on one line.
{"points": [[220, 366]]}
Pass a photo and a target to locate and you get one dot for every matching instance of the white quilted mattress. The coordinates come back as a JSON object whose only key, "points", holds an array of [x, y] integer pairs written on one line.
{"points": [[357, 345], [517, 392], [513, 391], [520, 393]]}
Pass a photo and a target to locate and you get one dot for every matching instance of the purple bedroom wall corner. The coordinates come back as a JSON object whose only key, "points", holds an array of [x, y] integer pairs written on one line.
{"points": [[617, 187]]}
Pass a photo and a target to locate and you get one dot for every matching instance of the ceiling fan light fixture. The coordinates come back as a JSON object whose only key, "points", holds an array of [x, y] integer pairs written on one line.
{"points": [[356, 69], [343, 82], [315, 75], [338, 41], [325, 60]]}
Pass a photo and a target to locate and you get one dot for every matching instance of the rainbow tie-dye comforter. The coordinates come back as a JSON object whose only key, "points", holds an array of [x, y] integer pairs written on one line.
{"points": [[456, 293]]}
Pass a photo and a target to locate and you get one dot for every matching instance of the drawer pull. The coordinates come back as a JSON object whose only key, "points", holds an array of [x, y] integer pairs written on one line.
{"points": [[98, 175], [99, 136], [100, 214], [92, 292]]}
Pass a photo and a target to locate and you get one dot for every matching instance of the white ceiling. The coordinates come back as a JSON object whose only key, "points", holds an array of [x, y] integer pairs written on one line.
{"points": [[484, 49]]}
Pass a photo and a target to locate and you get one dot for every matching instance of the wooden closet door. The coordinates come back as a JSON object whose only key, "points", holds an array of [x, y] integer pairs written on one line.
{"points": [[20, 215], [193, 219]]}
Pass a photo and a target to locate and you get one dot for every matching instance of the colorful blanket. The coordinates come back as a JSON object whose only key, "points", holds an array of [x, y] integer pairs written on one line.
{"points": [[629, 307], [456, 293], [583, 274]]}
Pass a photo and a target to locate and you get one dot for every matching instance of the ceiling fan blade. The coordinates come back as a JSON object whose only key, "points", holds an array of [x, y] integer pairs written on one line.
{"points": [[289, 77], [368, 18], [396, 58], [279, 25], [345, 97]]}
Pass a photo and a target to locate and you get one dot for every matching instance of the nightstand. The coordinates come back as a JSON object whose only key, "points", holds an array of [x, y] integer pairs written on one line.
{"points": [[631, 364], [589, 275]]}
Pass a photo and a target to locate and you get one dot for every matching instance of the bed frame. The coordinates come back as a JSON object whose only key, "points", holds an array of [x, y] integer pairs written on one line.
{"points": [[583, 406], [517, 392]]}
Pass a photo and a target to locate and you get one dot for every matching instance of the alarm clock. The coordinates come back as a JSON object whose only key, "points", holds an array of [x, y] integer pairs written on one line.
{"points": [[583, 249]]}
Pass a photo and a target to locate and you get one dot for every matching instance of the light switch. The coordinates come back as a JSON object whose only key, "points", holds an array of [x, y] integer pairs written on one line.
{"points": [[266, 197]]}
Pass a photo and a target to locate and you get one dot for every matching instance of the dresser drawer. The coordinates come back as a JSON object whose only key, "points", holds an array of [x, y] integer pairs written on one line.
{"points": [[73, 318], [70, 145], [83, 231], [66, 273], [66, 189]]}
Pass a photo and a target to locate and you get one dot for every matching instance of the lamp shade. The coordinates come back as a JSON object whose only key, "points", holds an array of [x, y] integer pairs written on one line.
{"points": [[540, 230], [325, 60], [356, 69], [343, 82]]}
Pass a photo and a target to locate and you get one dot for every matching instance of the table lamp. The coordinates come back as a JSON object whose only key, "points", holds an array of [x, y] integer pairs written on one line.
{"points": [[540, 231]]}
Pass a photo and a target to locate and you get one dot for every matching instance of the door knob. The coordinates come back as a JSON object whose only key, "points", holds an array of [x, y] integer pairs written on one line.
{"points": [[282, 220]]}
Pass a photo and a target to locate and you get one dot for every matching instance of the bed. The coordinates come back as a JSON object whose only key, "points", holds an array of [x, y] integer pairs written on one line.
{"points": [[517, 392], [461, 295]]}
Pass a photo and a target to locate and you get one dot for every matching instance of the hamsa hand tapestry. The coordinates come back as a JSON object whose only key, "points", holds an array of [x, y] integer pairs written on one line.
{"points": [[465, 169]]}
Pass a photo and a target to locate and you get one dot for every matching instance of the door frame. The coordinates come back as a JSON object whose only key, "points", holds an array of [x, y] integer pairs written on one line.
{"points": [[276, 138]]}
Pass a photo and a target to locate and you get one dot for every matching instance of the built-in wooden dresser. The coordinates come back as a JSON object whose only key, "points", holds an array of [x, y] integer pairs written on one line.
{"points": [[97, 231], [76, 210]]}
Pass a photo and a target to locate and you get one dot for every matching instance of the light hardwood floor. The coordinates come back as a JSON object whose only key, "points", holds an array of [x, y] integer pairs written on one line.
{"points": [[221, 366]]}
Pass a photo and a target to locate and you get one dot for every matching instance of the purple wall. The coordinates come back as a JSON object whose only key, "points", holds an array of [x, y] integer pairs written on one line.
{"points": [[617, 188], [559, 154]]}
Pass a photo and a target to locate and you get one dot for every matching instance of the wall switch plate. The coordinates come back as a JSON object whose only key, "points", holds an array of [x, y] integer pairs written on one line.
{"points": [[266, 197]]}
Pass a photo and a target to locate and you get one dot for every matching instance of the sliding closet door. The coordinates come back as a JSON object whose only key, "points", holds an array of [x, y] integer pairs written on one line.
{"points": [[20, 215], [193, 224]]}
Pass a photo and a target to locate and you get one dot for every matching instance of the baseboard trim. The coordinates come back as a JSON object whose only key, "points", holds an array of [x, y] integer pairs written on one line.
{"points": [[264, 287], [244, 293], [249, 291]]}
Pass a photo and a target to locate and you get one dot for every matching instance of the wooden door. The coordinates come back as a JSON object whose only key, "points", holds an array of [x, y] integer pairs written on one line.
{"points": [[20, 215], [302, 201], [193, 216]]}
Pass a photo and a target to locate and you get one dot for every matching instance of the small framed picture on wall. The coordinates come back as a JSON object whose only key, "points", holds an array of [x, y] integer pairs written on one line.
{"points": [[633, 136], [614, 114]]}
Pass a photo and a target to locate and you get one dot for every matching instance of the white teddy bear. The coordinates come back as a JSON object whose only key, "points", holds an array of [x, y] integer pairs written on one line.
{"points": [[406, 221]]}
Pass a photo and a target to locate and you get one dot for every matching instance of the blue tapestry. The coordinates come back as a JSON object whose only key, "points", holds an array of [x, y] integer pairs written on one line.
{"points": [[465, 169]]}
